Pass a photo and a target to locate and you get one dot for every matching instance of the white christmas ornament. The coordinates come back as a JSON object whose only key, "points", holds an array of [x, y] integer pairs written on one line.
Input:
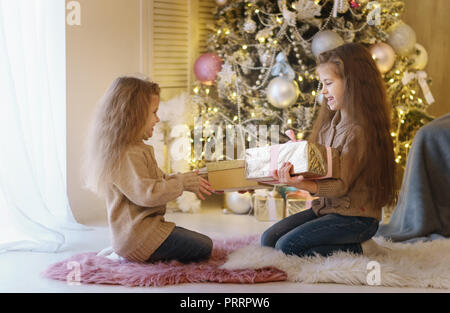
{"points": [[282, 92], [237, 202], [324, 41], [402, 38], [250, 26], [420, 57], [221, 2]]}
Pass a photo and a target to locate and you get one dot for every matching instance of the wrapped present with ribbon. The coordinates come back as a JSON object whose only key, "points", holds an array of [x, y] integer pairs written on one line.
{"points": [[268, 205], [312, 160], [229, 176], [297, 201]]}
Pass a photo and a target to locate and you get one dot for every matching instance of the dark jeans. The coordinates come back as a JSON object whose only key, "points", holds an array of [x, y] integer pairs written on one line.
{"points": [[305, 234], [183, 245]]}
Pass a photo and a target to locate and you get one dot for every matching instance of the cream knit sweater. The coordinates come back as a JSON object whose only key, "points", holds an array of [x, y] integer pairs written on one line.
{"points": [[136, 203]]}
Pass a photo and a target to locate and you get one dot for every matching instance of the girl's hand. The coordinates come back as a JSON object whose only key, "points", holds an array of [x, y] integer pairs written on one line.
{"points": [[194, 183], [204, 187], [283, 175]]}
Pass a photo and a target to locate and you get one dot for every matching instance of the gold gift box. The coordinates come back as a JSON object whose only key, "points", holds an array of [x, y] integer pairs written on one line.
{"points": [[229, 176], [268, 206], [298, 201], [308, 159]]}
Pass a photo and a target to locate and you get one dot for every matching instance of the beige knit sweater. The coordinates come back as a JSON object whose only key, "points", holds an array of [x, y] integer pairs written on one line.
{"points": [[347, 195], [136, 203]]}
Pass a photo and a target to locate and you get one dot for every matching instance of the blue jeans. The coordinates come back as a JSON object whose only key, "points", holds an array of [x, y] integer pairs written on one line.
{"points": [[183, 245], [306, 234]]}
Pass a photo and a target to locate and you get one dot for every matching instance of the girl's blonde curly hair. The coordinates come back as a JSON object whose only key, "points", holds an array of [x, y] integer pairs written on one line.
{"points": [[118, 122]]}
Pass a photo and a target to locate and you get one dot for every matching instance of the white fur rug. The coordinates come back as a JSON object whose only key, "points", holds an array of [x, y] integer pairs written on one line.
{"points": [[415, 265]]}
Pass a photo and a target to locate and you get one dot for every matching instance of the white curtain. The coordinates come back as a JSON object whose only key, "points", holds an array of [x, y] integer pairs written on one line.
{"points": [[34, 209]]}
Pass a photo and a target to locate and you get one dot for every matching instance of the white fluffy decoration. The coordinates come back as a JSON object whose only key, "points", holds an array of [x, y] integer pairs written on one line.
{"points": [[414, 265], [188, 202], [237, 202], [175, 113]]}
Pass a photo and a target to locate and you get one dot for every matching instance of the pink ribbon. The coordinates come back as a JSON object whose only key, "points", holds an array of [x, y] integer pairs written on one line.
{"points": [[290, 133], [274, 153]]}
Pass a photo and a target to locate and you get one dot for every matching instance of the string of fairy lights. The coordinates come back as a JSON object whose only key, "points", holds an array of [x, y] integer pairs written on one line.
{"points": [[248, 35]]}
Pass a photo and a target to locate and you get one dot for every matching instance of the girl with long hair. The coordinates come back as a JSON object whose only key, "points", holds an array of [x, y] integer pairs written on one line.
{"points": [[356, 122], [123, 169]]}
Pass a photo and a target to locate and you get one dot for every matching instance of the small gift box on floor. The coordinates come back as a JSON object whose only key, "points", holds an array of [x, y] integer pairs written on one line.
{"points": [[312, 160], [298, 201], [268, 205], [229, 176]]}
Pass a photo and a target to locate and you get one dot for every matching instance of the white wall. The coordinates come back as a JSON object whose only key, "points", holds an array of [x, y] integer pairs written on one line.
{"points": [[104, 46]]}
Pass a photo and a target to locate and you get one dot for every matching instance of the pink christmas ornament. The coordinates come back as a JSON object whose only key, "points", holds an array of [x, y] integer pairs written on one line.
{"points": [[206, 68]]}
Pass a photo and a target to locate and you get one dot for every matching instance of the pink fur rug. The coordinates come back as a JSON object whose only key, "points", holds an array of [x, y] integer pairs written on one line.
{"points": [[95, 269]]}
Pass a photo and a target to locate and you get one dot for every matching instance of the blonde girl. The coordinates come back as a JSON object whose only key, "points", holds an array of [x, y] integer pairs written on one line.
{"points": [[123, 169]]}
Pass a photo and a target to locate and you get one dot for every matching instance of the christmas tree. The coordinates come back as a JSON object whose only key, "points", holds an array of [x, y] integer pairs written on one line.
{"points": [[260, 69]]}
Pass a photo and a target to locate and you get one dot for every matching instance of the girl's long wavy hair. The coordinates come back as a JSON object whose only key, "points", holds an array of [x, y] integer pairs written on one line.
{"points": [[119, 121], [366, 102]]}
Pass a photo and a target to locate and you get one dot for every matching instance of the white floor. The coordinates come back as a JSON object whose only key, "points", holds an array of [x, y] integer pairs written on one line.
{"points": [[19, 271]]}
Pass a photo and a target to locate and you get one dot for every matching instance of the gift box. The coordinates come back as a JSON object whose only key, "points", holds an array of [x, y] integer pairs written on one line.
{"points": [[312, 160], [298, 201], [268, 205], [229, 176]]}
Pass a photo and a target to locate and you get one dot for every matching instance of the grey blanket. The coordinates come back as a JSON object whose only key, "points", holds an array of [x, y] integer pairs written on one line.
{"points": [[423, 209]]}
